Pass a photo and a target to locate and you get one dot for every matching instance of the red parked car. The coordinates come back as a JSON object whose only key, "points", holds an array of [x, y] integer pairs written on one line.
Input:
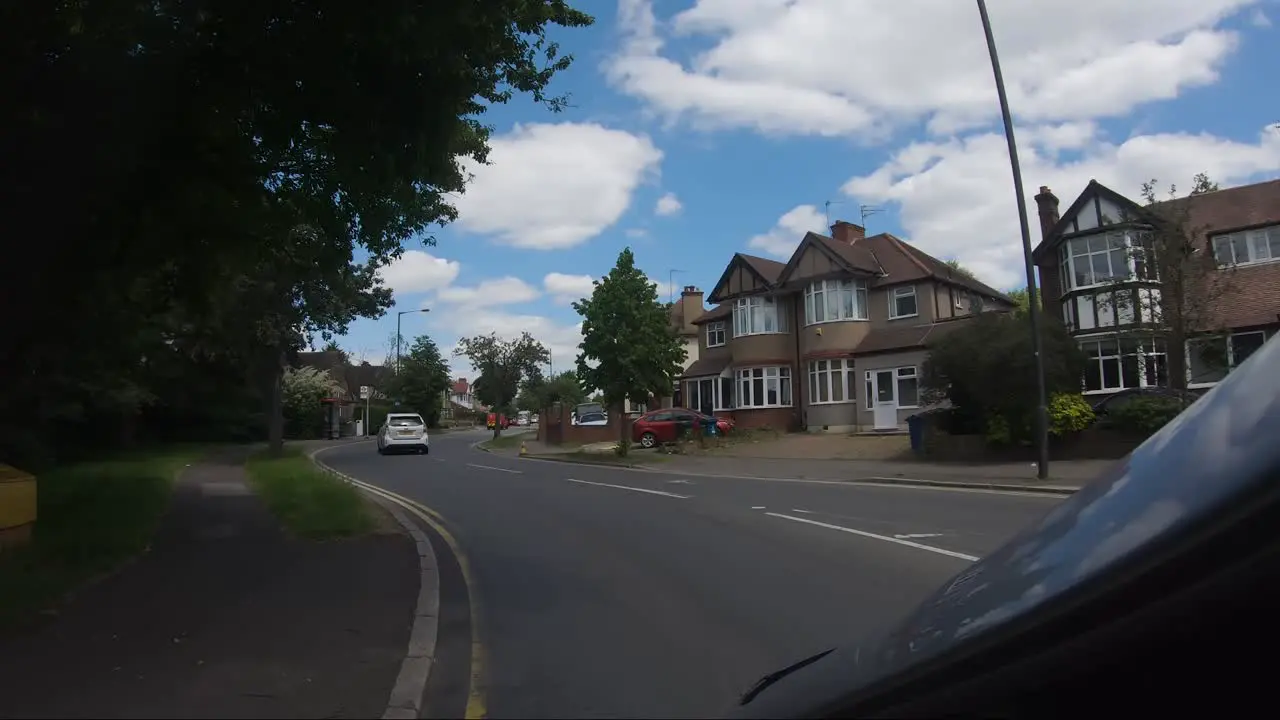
{"points": [[663, 426]]}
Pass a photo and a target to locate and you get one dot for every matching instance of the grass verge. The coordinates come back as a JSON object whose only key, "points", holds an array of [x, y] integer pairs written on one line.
{"points": [[91, 518], [310, 502], [506, 441]]}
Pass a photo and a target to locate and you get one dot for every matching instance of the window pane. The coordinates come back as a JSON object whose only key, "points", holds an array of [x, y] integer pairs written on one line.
{"points": [[1092, 375], [1244, 345], [1240, 247], [1101, 268], [1119, 264], [1273, 240], [1111, 372], [757, 391], [771, 391], [851, 382], [1156, 371], [908, 392], [846, 301], [1258, 245], [1222, 250], [862, 301], [726, 392], [884, 386], [837, 383], [869, 391], [1207, 360], [1129, 370], [813, 385], [785, 383]]}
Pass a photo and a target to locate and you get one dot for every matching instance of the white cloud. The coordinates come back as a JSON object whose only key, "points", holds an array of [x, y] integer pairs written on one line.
{"points": [[555, 186], [565, 289], [417, 271], [1260, 19], [562, 339], [956, 198], [637, 233], [500, 291], [668, 204], [800, 66], [782, 239]]}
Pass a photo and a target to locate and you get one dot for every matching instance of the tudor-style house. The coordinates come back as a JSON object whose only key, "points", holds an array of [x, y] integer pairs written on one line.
{"points": [[1095, 275], [834, 339]]}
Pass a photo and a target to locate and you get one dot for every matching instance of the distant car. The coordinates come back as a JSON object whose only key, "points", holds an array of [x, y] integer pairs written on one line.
{"points": [[498, 420], [1124, 397], [664, 426], [403, 432], [589, 414]]}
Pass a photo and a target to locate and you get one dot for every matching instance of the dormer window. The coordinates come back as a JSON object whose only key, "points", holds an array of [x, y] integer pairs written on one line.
{"points": [[902, 302], [835, 300], [1247, 246], [759, 316]]}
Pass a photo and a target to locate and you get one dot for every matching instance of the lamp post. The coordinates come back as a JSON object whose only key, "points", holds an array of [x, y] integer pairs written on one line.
{"points": [[1042, 412], [399, 315]]}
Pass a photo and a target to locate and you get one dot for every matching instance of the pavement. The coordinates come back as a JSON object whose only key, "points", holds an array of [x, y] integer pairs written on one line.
{"points": [[608, 592], [224, 617], [1065, 477]]}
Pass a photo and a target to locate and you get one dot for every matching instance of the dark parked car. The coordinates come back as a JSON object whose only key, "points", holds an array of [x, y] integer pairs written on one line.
{"points": [[1152, 592], [1124, 397]]}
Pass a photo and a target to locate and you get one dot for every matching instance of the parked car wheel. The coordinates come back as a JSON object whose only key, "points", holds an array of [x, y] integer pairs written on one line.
{"points": [[648, 440]]}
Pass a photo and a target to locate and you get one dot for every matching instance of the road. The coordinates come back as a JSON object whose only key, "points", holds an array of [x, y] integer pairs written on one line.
{"points": [[615, 593]]}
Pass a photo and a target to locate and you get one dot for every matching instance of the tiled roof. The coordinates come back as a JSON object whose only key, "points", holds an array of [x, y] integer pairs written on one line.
{"points": [[1234, 208], [768, 269], [719, 312], [1249, 297], [903, 262], [461, 386], [707, 366], [902, 338]]}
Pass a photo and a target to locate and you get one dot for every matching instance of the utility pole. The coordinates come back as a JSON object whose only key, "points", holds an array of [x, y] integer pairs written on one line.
{"points": [[671, 285], [1042, 410]]}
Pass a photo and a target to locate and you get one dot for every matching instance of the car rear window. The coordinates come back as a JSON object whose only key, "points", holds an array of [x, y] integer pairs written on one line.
{"points": [[405, 421]]}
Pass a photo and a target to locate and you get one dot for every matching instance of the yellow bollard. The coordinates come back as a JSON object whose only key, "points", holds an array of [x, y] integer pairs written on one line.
{"points": [[523, 449], [17, 506]]}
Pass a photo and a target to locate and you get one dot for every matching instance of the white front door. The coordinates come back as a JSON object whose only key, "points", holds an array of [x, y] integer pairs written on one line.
{"points": [[884, 400]]}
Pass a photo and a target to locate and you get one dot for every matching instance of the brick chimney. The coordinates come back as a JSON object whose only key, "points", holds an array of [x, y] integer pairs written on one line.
{"points": [[690, 308], [847, 232], [1047, 202]]}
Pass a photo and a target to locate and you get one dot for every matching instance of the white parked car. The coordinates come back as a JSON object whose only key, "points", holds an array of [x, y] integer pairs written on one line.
{"points": [[403, 432]]}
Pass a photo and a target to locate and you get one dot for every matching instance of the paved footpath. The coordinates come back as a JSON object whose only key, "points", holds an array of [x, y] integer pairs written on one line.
{"points": [[224, 617]]}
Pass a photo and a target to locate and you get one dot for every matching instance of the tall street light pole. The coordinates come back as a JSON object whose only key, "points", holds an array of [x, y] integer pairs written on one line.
{"points": [[1042, 411], [399, 315]]}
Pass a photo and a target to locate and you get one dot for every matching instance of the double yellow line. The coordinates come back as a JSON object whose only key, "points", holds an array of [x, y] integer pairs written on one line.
{"points": [[477, 708]]}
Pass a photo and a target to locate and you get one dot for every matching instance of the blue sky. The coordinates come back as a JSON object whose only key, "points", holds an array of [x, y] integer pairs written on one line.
{"points": [[701, 128]]}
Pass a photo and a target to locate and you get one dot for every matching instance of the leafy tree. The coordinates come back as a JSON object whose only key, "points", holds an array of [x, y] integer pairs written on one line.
{"points": [[958, 268], [1021, 300], [232, 161], [503, 364], [1173, 255], [539, 393], [986, 369], [423, 380], [303, 389], [626, 332]]}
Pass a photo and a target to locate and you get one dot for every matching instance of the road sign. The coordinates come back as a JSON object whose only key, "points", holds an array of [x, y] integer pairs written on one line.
{"points": [[365, 392]]}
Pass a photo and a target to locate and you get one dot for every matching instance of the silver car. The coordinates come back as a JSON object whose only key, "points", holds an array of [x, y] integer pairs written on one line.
{"points": [[403, 432]]}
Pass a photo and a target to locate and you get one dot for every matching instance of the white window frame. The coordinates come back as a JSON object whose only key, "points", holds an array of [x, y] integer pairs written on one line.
{"points": [[717, 328], [902, 292], [1071, 253], [1232, 362], [1149, 353], [758, 307], [778, 374], [904, 372], [855, 291], [821, 376], [718, 401], [1260, 245]]}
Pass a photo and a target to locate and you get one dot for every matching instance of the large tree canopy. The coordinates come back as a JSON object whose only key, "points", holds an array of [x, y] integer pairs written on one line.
{"points": [[219, 180], [503, 366]]}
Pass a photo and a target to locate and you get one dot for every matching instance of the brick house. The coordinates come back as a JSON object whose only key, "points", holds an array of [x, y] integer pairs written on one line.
{"points": [[1093, 276], [834, 339]]}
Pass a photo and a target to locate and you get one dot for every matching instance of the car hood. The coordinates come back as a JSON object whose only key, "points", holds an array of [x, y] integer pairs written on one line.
{"points": [[1213, 455]]}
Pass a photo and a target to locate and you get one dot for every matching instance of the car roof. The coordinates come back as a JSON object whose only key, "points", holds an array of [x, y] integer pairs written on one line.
{"points": [[399, 415]]}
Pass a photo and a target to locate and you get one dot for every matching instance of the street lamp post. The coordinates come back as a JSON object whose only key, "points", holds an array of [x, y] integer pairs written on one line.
{"points": [[1042, 412], [399, 315]]}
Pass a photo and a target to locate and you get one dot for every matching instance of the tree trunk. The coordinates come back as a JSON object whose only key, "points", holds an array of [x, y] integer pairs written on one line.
{"points": [[275, 409], [624, 431]]}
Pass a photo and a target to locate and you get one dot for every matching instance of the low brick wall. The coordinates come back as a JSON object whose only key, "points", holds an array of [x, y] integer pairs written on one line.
{"points": [[1092, 444], [555, 428]]}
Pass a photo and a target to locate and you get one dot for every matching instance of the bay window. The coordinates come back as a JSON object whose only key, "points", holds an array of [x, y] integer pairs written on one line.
{"points": [[759, 315], [831, 381], [1097, 260], [764, 387], [1121, 364], [833, 300]]}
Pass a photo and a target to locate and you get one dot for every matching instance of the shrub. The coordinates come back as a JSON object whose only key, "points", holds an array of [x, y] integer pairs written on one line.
{"points": [[1068, 414], [1144, 415]]}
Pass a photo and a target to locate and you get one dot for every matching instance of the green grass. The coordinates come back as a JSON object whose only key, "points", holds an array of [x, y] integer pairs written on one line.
{"points": [[91, 518], [310, 502], [508, 441]]}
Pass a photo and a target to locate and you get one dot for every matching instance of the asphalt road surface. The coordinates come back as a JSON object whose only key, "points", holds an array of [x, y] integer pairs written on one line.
{"points": [[615, 593]]}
